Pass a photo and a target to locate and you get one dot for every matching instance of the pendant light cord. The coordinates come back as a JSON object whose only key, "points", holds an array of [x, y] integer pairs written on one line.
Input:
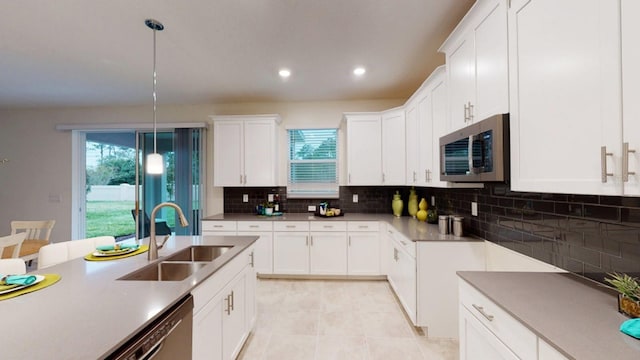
{"points": [[154, 92]]}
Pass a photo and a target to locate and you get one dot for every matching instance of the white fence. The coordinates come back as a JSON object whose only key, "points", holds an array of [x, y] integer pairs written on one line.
{"points": [[122, 192]]}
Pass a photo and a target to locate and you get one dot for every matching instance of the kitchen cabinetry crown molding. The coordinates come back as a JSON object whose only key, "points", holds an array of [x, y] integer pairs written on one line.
{"points": [[276, 117]]}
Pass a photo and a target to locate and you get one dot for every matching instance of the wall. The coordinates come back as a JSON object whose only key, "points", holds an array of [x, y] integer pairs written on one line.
{"points": [[586, 234], [36, 182]]}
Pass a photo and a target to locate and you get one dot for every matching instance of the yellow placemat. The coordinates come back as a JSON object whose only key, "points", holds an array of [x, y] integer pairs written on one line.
{"points": [[141, 249], [49, 279]]}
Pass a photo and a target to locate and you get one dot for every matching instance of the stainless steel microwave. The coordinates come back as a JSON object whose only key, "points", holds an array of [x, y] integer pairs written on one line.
{"points": [[477, 153]]}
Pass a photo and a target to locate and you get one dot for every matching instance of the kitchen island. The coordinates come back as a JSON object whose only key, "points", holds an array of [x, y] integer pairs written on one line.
{"points": [[89, 313]]}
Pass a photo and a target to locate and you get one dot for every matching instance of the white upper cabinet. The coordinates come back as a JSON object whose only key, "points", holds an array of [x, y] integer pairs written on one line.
{"points": [[477, 67], [412, 139], [630, 94], [565, 96], [364, 149], [245, 150], [393, 147]]}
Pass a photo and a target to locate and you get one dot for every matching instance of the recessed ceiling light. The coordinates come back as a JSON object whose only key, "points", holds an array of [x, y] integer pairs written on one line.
{"points": [[359, 71], [284, 73]]}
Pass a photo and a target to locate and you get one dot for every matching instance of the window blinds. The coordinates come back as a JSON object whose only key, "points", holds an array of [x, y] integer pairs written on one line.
{"points": [[313, 164]]}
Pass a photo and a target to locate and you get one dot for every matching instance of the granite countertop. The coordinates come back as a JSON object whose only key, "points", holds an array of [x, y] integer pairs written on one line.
{"points": [[575, 315], [88, 314], [409, 227]]}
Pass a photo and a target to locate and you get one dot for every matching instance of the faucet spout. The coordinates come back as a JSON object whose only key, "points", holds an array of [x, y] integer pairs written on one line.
{"points": [[153, 245]]}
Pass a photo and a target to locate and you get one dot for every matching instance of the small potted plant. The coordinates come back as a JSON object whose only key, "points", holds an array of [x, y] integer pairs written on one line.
{"points": [[628, 293]]}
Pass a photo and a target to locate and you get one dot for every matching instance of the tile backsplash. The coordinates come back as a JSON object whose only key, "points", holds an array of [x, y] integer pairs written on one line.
{"points": [[589, 235]]}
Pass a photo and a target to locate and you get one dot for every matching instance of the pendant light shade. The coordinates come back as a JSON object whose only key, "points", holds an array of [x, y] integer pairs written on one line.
{"points": [[154, 163]]}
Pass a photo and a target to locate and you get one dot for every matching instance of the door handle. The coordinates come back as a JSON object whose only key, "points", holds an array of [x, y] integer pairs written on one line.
{"points": [[625, 162], [603, 163], [251, 257], [470, 111], [481, 311]]}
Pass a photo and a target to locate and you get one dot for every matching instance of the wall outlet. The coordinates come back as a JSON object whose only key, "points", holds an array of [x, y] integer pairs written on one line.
{"points": [[270, 198], [474, 209], [245, 197], [311, 208], [355, 198]]}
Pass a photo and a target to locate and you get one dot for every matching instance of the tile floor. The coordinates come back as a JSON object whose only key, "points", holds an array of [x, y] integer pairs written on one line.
{"points": [[332, 319]]}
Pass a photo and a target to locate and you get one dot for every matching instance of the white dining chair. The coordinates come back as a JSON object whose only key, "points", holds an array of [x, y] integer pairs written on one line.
{"points": [[10, 245], [37, 235], [57, 253], [12, 267]]}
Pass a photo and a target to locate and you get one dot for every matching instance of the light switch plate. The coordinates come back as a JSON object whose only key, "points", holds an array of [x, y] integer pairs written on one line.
{"points": [[474, 209], [311, 208], [355, 198], [245, 197], [270, 198]]}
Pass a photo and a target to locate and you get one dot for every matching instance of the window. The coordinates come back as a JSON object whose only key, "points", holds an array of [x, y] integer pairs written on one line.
{"points": [[313, 164]]}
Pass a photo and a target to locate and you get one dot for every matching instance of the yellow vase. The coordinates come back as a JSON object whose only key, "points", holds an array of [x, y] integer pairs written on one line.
{"points": [[422, 213], [412, 207]]}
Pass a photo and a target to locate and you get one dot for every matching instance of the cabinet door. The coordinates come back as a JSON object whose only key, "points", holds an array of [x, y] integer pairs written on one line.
{"points": [[491, 68], [364, 150], [438, 93], [363, 253], [547, 352], [233, 318], [228, 153], [407, 276], [425, 144], [250, 292], [207, 331], [260, 146], [461, 72], [478, 343], [393, 148], [328, 253], [564, 63], [263, 251], [412, 139], [291, 253], [631, 92]]}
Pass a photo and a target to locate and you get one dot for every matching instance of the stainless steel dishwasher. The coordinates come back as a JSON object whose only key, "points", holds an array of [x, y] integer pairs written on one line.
{"points": [[169, 337]]}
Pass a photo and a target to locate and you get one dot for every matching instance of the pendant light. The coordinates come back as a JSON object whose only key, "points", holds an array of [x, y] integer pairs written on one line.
{"points": [[154, 161]]}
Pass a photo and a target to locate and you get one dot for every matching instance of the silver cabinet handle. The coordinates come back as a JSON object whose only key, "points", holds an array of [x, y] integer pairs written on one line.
{"points": [[218, 226], [403, 243], [311, 240], [426, 175], [414, 176], [240, 178], [349, 178], [228, 301], [603, 163], [363, 226], [395, 254], [625, 162], [349, 240], [383, 177], [328, 226], [481, 311], [233, 300], [470, 111], [245, 179], [290, 226], [466, 113], [307, 241], [254, 226], [251, 257]]}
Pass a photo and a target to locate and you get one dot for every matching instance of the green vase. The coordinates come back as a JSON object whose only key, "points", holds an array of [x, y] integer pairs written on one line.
{"points": [[412, 206], [397, 204]]}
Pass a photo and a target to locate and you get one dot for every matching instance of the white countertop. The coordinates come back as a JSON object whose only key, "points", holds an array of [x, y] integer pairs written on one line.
{"points": [[411, 228], [575, 315], [88, 313]]}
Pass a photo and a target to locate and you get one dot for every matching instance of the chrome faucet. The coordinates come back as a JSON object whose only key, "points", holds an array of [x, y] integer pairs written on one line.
{"points": [[153, 245]]}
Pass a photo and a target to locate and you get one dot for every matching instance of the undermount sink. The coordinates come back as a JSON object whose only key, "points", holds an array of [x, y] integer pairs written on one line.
{"points": [[180, 265], [199, 253], [165, 271]]}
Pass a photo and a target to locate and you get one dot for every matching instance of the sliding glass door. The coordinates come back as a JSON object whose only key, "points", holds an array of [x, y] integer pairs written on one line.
{"points": [[114, 196]]}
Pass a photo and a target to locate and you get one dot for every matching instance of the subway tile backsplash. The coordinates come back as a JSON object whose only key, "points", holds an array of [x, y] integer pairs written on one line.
{"points": [[586, 234]]}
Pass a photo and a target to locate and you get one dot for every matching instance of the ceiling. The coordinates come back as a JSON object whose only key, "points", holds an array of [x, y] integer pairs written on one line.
{"points": [[99, 53]]}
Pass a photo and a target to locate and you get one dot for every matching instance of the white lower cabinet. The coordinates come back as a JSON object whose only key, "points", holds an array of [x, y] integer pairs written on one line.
{"points": [[263, 248], [328, 253], [484, 326], [224, 318], [219, 228], [402, 272], [478, 343], [291, 253], [363, 248]]}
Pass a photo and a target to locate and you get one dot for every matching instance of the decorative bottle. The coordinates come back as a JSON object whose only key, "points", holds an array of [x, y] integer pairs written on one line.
{"points": [[397, 204], [422, 213], [412, 206]]}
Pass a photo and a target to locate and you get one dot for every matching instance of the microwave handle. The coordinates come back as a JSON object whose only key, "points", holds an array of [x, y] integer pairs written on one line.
{"points": [[472, 170]]}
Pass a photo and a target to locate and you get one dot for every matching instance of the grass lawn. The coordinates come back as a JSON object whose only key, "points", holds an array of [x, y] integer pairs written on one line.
{"points": [[109, 218], [114, 218]]}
